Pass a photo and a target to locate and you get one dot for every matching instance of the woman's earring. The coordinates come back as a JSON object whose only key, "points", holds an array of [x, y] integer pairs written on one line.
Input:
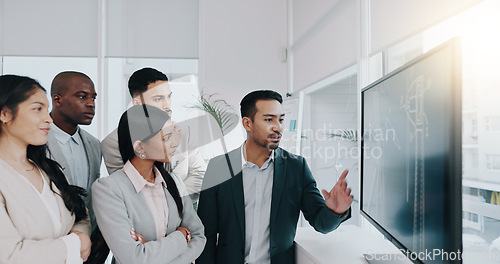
{"points": [[142, 155]]}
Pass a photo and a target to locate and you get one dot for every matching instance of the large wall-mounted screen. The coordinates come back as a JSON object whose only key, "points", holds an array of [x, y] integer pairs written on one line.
{"points": [[411, 156]]}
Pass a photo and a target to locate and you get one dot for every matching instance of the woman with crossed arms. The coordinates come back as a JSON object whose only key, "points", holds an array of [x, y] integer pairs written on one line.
{"points": [[139, 209]]}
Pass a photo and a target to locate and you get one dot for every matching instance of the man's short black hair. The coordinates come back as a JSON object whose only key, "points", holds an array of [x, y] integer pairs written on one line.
{"points": [[140, 79], [248, 102]]}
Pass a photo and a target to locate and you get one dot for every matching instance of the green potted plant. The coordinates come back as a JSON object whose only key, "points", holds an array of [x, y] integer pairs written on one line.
{"points": [[224, 115]]}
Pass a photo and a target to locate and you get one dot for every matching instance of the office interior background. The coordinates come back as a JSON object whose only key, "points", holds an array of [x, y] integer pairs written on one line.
{"points": [[321, 53]]}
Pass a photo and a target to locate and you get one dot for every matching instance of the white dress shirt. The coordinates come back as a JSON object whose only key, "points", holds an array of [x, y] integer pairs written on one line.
{"points": [[74, 152], [257, 190]]}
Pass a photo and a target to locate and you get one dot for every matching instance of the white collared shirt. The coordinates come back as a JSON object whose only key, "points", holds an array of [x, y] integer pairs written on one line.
{"points": [[257, 190], [74, 152]]}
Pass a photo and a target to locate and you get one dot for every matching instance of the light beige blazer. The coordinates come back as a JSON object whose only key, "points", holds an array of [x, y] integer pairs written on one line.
{"points": [[27, 233]]}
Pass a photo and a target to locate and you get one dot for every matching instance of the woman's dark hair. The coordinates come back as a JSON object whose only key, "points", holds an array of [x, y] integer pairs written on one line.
{"points": [[15, 90], [142, 122]]}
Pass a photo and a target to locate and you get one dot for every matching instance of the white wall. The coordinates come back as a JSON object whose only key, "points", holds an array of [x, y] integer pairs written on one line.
{"points": [[324, 39], [240, 44]]}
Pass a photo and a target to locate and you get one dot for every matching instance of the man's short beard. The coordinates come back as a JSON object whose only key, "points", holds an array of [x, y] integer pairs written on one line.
{"points": [[274, 146], [264, 144]]}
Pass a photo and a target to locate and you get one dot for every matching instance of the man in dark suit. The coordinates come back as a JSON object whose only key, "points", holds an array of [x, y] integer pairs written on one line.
{"points": [[252, 196]]}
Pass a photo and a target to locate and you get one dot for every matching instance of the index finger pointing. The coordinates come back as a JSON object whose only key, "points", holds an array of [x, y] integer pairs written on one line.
{"points": [[344, 174]]}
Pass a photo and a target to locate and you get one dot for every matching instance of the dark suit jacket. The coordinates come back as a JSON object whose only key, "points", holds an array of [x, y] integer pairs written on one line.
{"points": [[222, 210]]}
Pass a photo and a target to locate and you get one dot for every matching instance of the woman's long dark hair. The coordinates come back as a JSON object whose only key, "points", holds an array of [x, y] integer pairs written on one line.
{"points": [[142, 122], [15, 90]]}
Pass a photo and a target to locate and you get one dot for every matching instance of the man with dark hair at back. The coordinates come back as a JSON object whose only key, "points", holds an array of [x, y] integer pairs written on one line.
{"points": [[78, 152], [250, 208], [150, 86]]}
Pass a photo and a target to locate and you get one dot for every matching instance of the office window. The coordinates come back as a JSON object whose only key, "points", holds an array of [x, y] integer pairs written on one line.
{"points": [[394, 57], [469, 128], [481, 165], [493, 162], [472, 217], [474, 159], [470, 163], [492, 123], [469, 95]]}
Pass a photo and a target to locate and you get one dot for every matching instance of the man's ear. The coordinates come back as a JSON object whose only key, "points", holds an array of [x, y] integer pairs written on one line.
{"points": [[56, 99], [247, 123], [5, 115], [136, 100]]}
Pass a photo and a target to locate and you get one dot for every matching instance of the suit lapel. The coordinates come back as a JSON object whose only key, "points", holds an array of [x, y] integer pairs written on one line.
{"points": [[278, 183], [239, 200], [55, 151], [237, 186], [90, 157]]}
